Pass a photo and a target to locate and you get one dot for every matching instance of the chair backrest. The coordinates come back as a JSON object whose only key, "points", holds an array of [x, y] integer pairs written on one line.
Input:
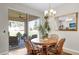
{"points": [[34, 36], [60, 45], [29, 46], [54, 36]]}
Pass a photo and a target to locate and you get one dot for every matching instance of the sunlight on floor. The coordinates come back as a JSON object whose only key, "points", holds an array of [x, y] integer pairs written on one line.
{"points": [[21, 51]]}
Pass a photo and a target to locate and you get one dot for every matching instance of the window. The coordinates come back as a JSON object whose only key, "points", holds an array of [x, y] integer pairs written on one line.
{"points": [[15, 27], [33, 28]]}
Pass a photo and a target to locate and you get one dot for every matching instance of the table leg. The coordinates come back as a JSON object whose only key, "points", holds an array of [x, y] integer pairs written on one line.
{"points": [[44, 50]]}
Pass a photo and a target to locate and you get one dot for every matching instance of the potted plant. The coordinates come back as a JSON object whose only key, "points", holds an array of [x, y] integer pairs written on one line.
{"points": [[44, 29]]}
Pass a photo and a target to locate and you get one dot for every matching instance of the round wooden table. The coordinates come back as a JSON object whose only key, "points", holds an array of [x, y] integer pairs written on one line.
{"points": [[44, 42]]}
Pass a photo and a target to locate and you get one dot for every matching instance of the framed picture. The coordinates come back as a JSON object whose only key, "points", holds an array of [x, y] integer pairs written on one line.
{"points": [[67, 22]]}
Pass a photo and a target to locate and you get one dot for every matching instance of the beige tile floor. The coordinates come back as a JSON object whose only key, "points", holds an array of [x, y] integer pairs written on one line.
{"points": [[21, 51]]}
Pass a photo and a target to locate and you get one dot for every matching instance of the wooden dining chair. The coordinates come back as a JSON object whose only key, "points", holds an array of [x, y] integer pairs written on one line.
{"points": [[30, 48], [58, 49]]}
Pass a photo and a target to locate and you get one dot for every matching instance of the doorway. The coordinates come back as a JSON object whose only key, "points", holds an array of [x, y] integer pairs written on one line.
{"points": [[16, 31]]}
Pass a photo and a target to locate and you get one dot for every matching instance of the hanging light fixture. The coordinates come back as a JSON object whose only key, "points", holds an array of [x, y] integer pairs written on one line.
{"points": [[49, 13]]}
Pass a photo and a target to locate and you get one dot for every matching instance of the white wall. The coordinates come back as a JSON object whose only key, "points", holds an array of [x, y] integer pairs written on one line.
{"points": [[3, 27], [72, 37], [4, 41]]}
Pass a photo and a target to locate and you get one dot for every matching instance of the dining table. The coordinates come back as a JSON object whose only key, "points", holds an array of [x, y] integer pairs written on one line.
{"points": [[45, 43]]}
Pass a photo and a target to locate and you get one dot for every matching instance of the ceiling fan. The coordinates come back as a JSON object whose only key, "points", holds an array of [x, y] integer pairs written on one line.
{"points": [[20, 16]]}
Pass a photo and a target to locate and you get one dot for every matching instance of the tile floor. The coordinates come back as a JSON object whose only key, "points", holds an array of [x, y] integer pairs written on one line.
{"points": [[21, 51]]}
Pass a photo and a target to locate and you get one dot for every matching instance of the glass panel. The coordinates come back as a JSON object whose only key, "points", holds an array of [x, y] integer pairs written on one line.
{"points": [[15, 27], [33, 31]]}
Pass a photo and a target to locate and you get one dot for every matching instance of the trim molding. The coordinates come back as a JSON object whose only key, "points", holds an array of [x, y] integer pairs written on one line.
{"points": [[73, 52], [4, 53]]}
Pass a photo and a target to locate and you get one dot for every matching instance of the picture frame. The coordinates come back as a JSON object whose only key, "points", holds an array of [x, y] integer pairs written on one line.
{"points": [[68, 22]]}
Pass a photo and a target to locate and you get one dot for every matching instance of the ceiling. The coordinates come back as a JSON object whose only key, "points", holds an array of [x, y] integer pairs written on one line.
{"points": [[19, 16], [42, 6], [12, 15]]}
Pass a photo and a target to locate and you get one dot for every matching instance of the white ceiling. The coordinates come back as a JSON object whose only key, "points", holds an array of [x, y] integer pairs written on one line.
{"points": [[42, 6]]}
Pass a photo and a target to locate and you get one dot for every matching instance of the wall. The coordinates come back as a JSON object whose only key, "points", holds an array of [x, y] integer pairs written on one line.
{"points": [[3, 27], [72, 37]]}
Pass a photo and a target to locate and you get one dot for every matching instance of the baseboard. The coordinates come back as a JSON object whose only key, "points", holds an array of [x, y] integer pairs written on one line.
{"points": [[4, 53], [73, 52]]}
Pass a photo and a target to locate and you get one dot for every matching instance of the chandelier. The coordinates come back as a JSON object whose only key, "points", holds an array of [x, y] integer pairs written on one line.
{"points": [[49, 13]]}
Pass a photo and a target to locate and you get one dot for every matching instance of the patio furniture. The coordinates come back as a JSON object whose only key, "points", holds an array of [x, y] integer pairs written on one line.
{"points": [[45, 43], [31, 50], [58, 49]]}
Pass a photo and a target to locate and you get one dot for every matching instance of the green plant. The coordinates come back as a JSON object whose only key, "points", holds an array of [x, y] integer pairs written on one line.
{"points": [[19, 35], [44, 29]]}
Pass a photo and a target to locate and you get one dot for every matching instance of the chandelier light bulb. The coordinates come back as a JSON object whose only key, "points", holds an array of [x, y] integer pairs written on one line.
{"points": [[51, 11], [54, 12], [46, 12]]}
